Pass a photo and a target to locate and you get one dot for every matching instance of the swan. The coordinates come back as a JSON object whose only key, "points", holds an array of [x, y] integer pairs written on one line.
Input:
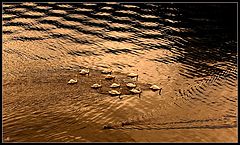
{"points": [[115, 93], [72, 81], [155, 88], [107, 72], [84, 71], [109, 77], [133, 75], [136, 91], [115, 85], [131, 85], [96, 86]]}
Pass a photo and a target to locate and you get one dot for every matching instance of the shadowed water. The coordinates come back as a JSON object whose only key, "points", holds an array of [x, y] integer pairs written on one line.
{"points": [[189, 50]]}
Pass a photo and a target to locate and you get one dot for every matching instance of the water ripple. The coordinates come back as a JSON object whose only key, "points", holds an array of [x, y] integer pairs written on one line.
{"points": [[189, 50]]}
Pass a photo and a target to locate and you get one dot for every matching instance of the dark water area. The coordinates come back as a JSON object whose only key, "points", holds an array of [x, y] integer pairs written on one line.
{"points": [[188, 49]]}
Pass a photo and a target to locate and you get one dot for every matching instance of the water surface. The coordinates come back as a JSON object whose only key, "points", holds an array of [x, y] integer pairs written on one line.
{"points": [[190, 50]]}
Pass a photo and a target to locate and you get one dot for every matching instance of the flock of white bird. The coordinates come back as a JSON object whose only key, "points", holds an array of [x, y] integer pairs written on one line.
{"points": [[132, 86]]}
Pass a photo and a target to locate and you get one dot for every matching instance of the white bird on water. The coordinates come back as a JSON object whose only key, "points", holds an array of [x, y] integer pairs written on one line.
{"points": [[96, 86], [155, 88], [109, 77], [136, 91], [115, 93], [133, 75], [131, 85], [115, 85], [84, 71], [107, 71], [72, 81]]}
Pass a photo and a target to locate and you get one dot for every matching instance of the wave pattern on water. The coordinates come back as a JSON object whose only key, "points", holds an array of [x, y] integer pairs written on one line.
{"points": [[189, 50]]}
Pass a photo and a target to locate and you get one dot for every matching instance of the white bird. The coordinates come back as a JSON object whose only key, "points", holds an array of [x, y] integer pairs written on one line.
{"points": [[115, 85], [107, 71], [155, 88], [133, 75], [131, 85], [136, 91], [109, 77], [96, 86], [115, 93], [72, 81], [84, 72]]}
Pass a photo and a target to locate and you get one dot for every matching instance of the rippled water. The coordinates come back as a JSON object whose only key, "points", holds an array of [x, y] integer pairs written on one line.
{"points": [[190, 50]]}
